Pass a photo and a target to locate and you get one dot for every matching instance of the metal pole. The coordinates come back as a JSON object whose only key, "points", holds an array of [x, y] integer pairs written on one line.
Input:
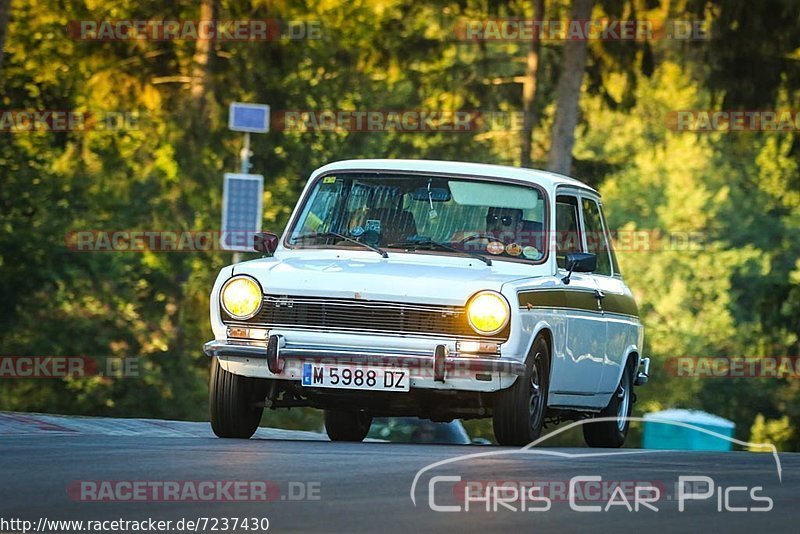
{"points": [[244, 156]]}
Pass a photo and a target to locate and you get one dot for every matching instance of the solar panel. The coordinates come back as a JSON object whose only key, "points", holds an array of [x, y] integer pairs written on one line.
{"points": [[242, 197], [248, 117]]}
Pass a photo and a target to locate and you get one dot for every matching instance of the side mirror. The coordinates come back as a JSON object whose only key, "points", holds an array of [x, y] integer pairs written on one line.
{"points": [[579, 262], [265, 242]]}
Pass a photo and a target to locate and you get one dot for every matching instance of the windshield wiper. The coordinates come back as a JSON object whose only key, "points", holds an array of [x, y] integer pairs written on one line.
{"points": [[322, 235], [428, 244]]}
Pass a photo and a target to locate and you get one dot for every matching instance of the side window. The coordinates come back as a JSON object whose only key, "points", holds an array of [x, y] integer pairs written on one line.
{"points": [[596, 241], [568, 233], [614, 264]]}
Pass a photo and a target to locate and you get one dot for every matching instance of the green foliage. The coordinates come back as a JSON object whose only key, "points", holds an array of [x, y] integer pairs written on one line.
{"points": [[779, 432], [737, 293]]}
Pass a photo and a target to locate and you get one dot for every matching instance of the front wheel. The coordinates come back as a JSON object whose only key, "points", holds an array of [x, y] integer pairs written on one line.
{"points": [[347, 426], [519, 410], [232, 403], [612, 433]]}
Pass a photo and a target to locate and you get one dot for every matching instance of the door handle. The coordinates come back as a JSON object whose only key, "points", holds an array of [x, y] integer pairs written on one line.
{"points": [[599, 294]]}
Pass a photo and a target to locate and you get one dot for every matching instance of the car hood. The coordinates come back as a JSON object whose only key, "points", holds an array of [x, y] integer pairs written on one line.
{"points": [[400, 278]]}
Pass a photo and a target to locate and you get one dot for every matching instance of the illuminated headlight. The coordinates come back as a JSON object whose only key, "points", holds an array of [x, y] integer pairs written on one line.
{"points": [[488, 312], [241, 297]]}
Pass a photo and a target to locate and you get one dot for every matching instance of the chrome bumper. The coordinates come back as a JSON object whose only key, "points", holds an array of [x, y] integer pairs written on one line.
{"points": [[438, 361], [643, 373]]}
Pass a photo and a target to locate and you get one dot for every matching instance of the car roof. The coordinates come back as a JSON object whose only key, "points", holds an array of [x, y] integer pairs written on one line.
{"points": [[550, 180]]}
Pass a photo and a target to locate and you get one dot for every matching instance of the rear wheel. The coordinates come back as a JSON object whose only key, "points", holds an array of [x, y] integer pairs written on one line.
{"points": [[612, 433], [347, 426], [231, 402], [519, 410]]}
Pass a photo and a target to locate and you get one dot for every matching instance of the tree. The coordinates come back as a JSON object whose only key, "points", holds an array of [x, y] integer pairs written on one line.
{"points": [[568, 93], [204, 54], [739, 295], [5, 12], [529, 89]]}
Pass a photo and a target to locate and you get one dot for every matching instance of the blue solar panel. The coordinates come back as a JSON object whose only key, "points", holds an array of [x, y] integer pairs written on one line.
{"points": [[241, 210], [248, 117]]}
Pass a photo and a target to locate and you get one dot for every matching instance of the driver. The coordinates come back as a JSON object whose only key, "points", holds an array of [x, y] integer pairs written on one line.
{"points": [[504, 224]]}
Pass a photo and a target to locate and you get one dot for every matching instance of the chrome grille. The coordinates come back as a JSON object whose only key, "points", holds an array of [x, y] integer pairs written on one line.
{"points": [[362, 316]]}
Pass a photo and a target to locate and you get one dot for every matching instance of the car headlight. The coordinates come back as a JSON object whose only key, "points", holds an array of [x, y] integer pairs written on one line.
{"points": [[241, 297], [488, 312]]}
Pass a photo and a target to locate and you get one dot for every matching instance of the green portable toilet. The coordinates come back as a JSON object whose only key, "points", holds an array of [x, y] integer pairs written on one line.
{"points": [[663, 435]]}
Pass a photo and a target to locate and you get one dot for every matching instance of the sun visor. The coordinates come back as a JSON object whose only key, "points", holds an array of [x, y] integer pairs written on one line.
{"points": [[497, 195]]}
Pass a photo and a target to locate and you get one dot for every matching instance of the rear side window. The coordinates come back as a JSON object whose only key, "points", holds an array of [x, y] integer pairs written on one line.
{"points": [[614, 263], [568, 234], [596, 241]]}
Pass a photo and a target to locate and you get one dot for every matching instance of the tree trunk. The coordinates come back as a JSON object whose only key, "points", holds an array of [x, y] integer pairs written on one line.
{"points": [[529, 111], [569, 92], [5, 12], [203, 54]]}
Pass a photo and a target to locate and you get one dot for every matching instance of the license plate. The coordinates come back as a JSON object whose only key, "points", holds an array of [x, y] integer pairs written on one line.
{"points": [[343, 376]]}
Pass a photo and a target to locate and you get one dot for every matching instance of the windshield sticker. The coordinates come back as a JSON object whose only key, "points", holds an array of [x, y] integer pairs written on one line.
{"points": [[495, 247], [513, 249], [531, 252], [329, 180]]}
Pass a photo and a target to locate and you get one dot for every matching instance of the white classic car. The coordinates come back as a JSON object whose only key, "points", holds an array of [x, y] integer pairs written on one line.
{"points": [[433, 289]]}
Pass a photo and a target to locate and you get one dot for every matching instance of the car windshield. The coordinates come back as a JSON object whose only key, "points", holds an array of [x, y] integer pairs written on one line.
{"points": [[416, 212]]}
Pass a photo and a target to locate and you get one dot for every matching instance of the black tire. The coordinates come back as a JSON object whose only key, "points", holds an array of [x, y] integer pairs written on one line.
{"points": [[611, 434], [519, 411], [347, 426], [231, 402]]}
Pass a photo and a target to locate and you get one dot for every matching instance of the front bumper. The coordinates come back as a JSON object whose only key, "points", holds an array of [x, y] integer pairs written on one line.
{"points": [[284, 359]]}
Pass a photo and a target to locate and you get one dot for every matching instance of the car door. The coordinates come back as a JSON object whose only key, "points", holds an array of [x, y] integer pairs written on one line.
{"points": [[578, 363], [616, 300]]}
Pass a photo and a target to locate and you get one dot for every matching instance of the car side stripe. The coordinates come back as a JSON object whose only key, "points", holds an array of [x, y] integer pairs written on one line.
{"points": [[578, 300]]}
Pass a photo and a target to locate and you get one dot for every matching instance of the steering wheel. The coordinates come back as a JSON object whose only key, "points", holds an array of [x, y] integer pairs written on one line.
{"points": [[473, 237]]}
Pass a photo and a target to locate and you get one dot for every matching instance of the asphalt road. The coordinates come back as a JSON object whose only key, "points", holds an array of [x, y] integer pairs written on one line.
{"points": [[366, 487]]}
